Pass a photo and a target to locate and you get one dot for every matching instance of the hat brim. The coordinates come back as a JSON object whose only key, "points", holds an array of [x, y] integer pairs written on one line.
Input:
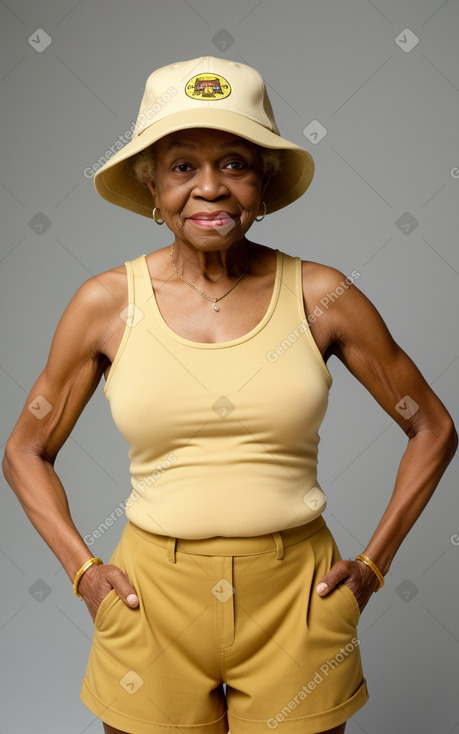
{"points": [[116, 181]]}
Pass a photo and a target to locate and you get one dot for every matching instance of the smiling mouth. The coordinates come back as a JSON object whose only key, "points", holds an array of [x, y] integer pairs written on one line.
{"points": [[216, 220], [213, 216]]}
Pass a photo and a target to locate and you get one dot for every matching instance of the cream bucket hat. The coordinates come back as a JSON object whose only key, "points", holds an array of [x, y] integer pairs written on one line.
{"points": [[206, 92]]}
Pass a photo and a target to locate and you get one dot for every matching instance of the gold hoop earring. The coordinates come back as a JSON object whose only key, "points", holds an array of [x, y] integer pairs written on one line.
{"points": [[160, 220], [260, 219]]}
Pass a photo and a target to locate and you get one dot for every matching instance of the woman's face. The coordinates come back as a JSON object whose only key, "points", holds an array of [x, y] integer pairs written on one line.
{"points": [[208, 186]]}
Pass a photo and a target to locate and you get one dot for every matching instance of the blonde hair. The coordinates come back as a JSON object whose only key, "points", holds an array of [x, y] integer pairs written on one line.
{"points": [[143, 163]]}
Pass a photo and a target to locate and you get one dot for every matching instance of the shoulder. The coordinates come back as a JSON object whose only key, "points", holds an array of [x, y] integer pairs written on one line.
{"points": [[325, 291], [334, 301], [94, 309], [102, 292], [320, 281]]}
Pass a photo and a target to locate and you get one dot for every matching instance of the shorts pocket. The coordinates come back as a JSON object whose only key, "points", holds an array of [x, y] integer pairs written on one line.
{"points": [[107, 603], [351, 600]]}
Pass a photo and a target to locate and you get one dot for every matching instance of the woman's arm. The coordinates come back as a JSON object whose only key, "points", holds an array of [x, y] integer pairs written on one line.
{"points": [[74, 368], [358, 336]]}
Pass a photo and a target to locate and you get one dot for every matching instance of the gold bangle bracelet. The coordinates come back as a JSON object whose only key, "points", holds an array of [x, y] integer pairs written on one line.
{"points": [[374, 568], [80, 572]]}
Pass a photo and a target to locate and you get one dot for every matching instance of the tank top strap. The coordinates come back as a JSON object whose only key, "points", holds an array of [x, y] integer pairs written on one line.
{"points": [[291, 286], [138, 282], [291, 272]]}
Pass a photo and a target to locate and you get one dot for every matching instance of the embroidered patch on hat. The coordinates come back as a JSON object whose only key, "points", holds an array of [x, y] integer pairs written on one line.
{"points": [[207, 86]]}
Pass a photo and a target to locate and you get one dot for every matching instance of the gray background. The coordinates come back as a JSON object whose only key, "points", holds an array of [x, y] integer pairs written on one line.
{"points": [[390, 158]]}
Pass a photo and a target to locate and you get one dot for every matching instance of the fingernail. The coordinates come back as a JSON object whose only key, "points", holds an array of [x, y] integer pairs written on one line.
{"points": [[132, 599], [321, 588]]}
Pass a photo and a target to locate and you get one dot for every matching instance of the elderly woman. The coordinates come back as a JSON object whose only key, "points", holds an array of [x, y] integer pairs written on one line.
{"points": [[214, 351]]}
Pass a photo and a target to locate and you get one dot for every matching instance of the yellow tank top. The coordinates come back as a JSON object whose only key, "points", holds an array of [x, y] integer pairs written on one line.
{"points": [[223, 437]]}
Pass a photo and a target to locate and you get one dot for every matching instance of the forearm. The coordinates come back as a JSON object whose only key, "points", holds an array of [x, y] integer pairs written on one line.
{"points": [[43, 498], [421, 468]]}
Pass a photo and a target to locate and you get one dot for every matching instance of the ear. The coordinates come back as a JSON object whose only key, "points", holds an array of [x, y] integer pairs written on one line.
{"points": [[151, 185], [265, 183]]}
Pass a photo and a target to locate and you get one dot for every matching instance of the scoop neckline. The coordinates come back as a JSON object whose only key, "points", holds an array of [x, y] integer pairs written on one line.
{"points": [[215, 345]]}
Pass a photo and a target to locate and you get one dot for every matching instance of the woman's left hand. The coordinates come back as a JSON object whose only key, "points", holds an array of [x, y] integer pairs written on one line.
{"points": [[355, 574]]}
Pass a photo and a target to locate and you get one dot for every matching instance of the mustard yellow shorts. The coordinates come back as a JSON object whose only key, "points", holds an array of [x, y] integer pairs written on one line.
{"points": [[239, 611]]}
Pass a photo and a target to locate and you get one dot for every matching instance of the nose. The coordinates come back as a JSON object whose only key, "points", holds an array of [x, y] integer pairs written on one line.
{"points": [[209, 183]]}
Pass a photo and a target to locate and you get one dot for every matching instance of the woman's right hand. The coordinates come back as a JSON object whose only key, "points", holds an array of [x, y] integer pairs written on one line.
{"points": [[99, 580]]}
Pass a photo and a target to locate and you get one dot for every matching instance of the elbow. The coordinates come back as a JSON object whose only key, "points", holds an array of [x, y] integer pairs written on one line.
{"points": [[449, 438], [17, 457], [453, 439], [7, 463], [442, 435], [10, 461]]}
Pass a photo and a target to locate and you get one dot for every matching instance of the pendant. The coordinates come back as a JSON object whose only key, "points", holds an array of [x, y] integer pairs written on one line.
{"points": [[216, 308]]}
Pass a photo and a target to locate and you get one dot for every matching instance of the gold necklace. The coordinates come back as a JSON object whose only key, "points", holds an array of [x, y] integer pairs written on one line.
{"points": [[213, 300]]}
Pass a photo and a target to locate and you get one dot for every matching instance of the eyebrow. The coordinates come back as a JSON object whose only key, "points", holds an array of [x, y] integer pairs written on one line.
{"points": [[223, 146]]}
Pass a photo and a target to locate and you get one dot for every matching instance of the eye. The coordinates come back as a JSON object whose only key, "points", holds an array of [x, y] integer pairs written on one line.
{"points": [[235, 165], [182, 167]]}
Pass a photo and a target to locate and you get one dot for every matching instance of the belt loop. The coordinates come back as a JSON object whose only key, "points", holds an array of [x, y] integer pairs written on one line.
{"points": [[279, 546], [171, 549]]}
